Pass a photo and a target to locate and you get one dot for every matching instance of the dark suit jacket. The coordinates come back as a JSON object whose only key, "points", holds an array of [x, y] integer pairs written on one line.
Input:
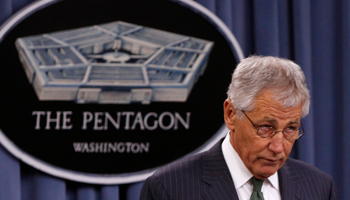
{"points": [[206, 176]]}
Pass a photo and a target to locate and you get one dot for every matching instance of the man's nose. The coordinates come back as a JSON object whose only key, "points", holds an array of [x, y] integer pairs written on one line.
{"points": [[276, 144]]}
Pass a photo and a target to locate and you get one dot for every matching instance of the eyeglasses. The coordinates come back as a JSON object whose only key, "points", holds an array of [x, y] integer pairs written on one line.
{"points": [[290, 133]]}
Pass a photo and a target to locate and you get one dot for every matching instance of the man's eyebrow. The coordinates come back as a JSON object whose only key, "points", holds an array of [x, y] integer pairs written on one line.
{"points": [[294, 122], [274, 121], [267, 119]]}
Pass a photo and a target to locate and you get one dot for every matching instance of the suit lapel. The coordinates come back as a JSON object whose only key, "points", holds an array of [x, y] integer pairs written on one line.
{"points": [[217, 175], [289, 182]]}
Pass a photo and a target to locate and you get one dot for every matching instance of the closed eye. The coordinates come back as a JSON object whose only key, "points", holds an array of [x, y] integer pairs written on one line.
{"points": [[292, 128], [265, 127]]}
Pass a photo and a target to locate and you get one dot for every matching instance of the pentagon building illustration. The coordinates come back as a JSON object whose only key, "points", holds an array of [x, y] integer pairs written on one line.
{"points": [[113, 63]]}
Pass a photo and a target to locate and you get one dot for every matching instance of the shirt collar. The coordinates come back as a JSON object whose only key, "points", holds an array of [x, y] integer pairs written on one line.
{"points": [[239, 172]]}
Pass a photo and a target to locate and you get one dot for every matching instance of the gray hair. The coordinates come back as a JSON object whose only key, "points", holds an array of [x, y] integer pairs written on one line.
{"points": [[257, 74]]}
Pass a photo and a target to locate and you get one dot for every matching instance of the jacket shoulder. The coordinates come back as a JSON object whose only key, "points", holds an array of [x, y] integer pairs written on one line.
{"points": [[313, 183], [177, 180], [305, 170], [186, 178], [182, 170]]}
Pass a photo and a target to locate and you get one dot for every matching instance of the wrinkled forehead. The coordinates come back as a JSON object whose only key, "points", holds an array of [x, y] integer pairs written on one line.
{"points": [[266, 105]]}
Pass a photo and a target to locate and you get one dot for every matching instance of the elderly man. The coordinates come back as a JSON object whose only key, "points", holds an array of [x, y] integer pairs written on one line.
{"points": [[266, 100]]}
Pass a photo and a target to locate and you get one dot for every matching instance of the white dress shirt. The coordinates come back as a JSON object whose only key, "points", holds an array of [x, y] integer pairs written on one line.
{"points": [[241, 176]]}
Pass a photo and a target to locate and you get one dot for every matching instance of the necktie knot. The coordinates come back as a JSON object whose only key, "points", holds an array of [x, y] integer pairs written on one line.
{"points": [[257, 184], [257, 194]]}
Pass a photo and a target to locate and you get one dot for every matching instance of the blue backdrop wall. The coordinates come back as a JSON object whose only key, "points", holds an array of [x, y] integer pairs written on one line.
{"points": [[313, 33]]}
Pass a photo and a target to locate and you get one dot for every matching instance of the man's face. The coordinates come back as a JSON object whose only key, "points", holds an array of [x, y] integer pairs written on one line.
{"points": [[262, 156]]}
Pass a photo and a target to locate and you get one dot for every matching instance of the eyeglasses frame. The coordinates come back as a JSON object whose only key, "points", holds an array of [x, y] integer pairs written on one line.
{"points": [[276, 131]]}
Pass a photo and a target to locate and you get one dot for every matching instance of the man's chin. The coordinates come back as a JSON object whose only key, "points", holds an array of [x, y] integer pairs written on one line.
{"points": [[265, 172]]}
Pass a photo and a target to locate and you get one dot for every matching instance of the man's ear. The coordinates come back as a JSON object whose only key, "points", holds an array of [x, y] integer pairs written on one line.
{"points": [[229, 115]]}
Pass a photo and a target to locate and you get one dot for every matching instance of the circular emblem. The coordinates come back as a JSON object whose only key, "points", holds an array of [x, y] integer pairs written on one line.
{"points": [[102, 91]]}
